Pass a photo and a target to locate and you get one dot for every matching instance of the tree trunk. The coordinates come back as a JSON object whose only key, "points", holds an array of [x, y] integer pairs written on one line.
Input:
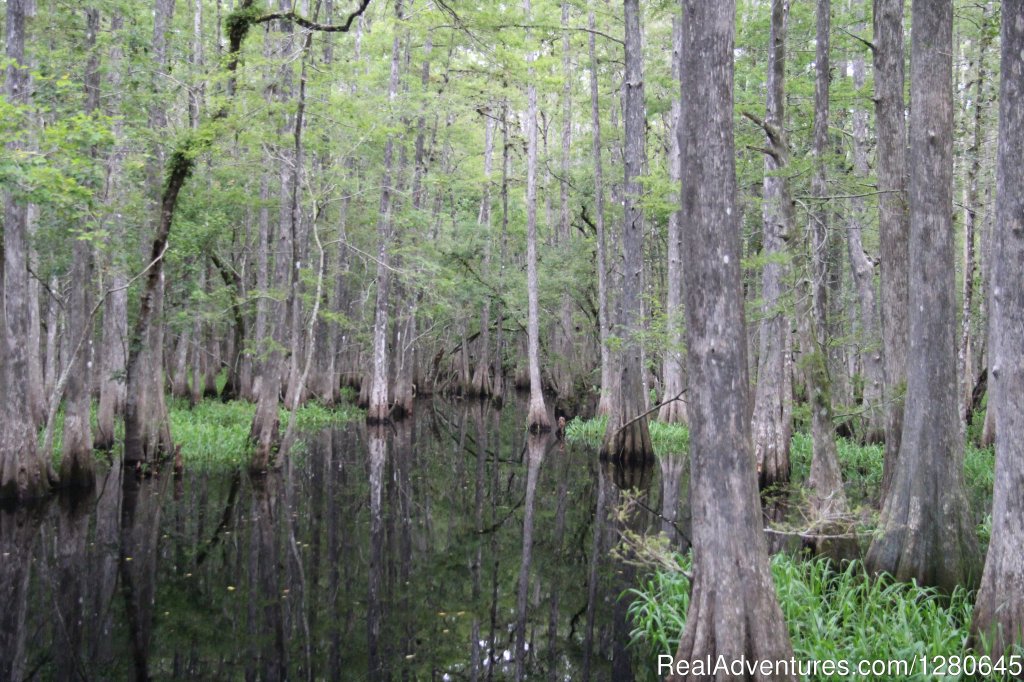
{"points": [[827, 496], [76, 467], [147, 435], [926, 530], [728, 545], [627, 438], [892, 216], [674, 411], [862, 270], [998, 621], [481, 384], [24, 471], [966, 355], [604, 401], [264, 432], [772, 422], [378, 410], [537, 420]]}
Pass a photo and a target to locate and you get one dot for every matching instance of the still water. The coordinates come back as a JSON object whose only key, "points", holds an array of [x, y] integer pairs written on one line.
{"points": [[447, 547]]}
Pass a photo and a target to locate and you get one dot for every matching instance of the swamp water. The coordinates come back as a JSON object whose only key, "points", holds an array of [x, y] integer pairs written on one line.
{"points": [[446, 547]]}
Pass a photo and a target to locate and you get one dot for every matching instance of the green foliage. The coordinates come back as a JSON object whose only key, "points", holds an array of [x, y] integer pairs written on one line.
{"points": [[667, 439], [832, 613]]}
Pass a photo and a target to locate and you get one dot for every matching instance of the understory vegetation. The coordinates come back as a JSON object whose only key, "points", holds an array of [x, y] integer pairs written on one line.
{"points": [[214, 434]]}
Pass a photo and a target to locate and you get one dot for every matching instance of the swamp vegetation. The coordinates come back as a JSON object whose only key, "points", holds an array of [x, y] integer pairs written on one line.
{"points": [[353, 339]]}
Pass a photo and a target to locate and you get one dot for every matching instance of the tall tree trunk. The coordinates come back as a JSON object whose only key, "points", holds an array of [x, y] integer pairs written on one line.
{"points": [[604, 401], [537, 419], [999, 610], [147, 434], [827, 495], [627, 437], [729, 548], [378, 410], [891, 168], [674, 411], [264, 432], [966, 354], [862, 270], [926, 530], [24, 471], [772, 422], [481, 385], [76, 467]]}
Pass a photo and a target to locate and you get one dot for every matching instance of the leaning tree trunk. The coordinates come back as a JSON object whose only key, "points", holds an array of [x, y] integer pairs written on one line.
{"points": [[743, 619], [604, 401], [926, 532], [24, 471], [772, 424], [627, 437], [537, 419], [999, 610], [892, 216], [672, 410]]}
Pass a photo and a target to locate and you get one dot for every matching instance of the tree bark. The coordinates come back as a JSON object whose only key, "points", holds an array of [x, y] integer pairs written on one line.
{"points": [[971, 205], [926, 531], [604, 404], [264, 432], [862, 270], [76, 467], [537, 420], [998, 622], [378, 410], [674, 411], [828, 498], [25, 472], [772, 421], [627, 438], [147, 435], [891, 169], [733, 610]]}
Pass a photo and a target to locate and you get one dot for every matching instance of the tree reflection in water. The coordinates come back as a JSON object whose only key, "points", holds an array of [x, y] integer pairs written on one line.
{"points": [[447, 544]]}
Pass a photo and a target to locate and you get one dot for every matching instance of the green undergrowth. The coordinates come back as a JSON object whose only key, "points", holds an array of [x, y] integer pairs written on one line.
{"points": [[831, 614], [665, 438], [214, 435]]}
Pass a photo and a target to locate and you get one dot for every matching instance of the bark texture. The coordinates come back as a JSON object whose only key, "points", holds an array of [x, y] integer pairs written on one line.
{"points": [[24, 471], [674, 411], [926, 531], [628, 438], [537, 419], [772, 421], [604, 404], [891, 169], [998, 621], [733, 609]]}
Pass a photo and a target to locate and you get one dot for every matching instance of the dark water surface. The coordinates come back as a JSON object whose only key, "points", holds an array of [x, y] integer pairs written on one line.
{"points": [[447, 547]]}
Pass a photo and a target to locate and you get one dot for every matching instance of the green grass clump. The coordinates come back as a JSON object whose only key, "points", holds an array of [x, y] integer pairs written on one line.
{"points": [[831, 614], [213, 436], [667, 439]]}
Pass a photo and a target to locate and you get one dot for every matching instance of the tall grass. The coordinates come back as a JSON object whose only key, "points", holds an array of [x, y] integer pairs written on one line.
{"points": [[831, 614], [667, 439]]}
